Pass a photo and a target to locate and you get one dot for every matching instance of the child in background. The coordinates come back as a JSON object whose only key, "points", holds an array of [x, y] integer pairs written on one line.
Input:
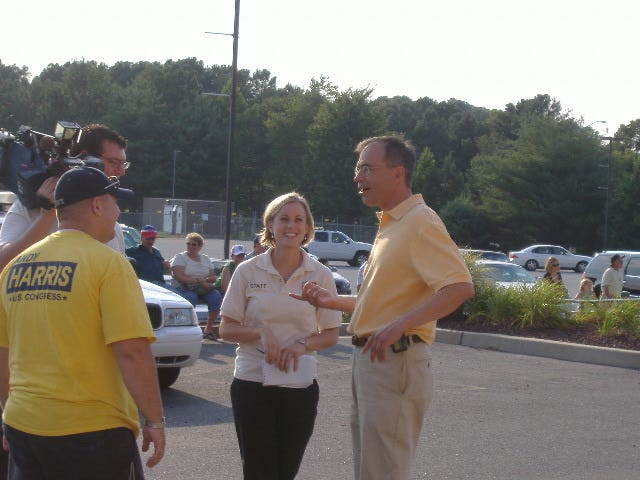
{"points": [[586, 290]]}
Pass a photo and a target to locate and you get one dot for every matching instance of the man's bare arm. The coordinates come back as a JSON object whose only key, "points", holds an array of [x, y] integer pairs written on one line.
{"points": [[138, 369], [321, 297], [40, 228]]}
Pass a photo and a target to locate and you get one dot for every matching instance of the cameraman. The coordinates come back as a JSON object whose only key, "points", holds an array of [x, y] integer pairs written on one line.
{"points": [[22, 227]]}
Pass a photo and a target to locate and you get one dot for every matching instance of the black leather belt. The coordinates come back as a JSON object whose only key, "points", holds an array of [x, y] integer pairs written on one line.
{"points": [[360, 341]]}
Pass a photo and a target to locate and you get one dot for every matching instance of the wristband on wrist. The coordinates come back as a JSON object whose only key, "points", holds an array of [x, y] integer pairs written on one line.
{"points": [[303, 342], [160, 424]]}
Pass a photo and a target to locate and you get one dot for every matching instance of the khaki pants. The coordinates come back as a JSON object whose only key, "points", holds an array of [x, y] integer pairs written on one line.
{"points": [[389, 402]]}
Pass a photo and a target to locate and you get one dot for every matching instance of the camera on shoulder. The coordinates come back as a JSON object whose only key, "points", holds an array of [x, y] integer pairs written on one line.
{"points": [[29, 157]]}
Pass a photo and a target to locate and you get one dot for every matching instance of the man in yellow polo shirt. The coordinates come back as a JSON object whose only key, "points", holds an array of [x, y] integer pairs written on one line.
{"points": [[414, 276]]}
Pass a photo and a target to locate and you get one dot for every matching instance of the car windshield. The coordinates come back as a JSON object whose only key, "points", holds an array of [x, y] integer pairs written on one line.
{"points": [[508, 273], [486, 255]]}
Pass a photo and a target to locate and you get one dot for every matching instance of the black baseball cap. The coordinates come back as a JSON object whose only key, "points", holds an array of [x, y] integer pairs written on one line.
{"points": [[80, 183], [616, 257]]}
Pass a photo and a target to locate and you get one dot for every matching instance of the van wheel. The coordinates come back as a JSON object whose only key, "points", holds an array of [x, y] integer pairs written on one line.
{"points": [[581, 267], [168, 376]]}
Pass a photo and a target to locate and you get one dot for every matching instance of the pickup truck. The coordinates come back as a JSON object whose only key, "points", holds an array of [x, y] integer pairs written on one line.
{"points": [[335, 245]]}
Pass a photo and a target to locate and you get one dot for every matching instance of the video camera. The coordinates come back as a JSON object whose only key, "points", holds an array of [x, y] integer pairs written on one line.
{"points": [[29, 157]]}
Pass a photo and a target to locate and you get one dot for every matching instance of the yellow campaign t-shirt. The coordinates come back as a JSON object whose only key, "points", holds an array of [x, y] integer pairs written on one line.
{"points": [[64, 301]]}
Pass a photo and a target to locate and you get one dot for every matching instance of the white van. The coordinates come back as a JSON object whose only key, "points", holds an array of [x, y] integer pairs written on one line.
{"points": [[630, 269]]}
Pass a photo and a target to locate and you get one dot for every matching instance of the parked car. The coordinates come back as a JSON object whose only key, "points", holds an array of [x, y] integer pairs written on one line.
{"points": [[535, 256], [175, 325], [506, 274], [486, 254], [335, 245], [630, 269]]}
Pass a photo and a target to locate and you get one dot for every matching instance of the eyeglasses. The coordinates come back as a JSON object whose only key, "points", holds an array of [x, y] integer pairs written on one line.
{"points": [[365, 170], [117, 163], [555, 264], [192, 244]]}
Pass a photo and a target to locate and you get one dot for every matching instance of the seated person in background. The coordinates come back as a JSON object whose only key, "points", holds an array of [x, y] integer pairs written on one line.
{"points": [[237, 257], [150, 265], [193, 278], [258, 249]]}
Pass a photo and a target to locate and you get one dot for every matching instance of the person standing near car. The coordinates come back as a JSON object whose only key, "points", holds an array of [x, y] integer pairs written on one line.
{"points": [[258, 248], [149, 262], [612, 280], [393, 327], [75, 356], [552, 273]]}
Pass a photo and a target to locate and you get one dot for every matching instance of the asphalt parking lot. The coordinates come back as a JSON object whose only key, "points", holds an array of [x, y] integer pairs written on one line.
{"points": [[494, 416]]}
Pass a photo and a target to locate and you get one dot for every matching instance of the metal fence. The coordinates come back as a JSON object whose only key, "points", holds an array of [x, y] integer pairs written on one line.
{"points": [[244, 228]]}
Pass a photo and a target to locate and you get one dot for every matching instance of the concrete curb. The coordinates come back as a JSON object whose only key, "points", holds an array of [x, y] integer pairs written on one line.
{"points": [[614, 357]]}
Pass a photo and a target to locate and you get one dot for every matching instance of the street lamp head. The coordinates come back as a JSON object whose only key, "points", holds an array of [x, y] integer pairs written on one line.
{"points": [[597, 121]]}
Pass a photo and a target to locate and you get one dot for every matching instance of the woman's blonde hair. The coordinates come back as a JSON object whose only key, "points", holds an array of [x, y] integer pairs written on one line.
{"points": [[195, 236], [266, 236], [585, 281], [550, 260]]}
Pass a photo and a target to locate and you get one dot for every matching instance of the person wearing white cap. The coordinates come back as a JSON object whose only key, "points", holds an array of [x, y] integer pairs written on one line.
{"points": [[238, 254]]}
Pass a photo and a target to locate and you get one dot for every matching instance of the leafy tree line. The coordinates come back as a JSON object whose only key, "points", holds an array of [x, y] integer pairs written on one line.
{"points": [[500, 179]]}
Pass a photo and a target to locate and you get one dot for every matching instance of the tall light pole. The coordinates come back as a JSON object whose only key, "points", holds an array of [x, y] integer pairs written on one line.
{"points": [[173, 182], [232, 118], [606, 198]]}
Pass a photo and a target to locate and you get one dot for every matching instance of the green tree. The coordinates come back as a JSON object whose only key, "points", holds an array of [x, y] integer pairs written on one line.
{"points": [[542, 187], [339, 125]]}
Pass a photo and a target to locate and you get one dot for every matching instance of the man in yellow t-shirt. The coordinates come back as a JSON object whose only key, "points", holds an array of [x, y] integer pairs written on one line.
{"points": [[414, 276], [75, 356]]}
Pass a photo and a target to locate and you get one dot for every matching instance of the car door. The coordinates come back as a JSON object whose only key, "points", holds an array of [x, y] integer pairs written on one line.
{"points": [[540, 255], [564, 257], [341, 246], [632, 275], [321, 245]]}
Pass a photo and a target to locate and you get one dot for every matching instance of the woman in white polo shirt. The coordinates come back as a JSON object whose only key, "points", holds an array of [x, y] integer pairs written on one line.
{"points": [[274, 393]]}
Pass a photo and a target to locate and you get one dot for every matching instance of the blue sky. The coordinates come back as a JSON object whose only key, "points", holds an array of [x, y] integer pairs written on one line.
{"points": [[488, 53]]}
